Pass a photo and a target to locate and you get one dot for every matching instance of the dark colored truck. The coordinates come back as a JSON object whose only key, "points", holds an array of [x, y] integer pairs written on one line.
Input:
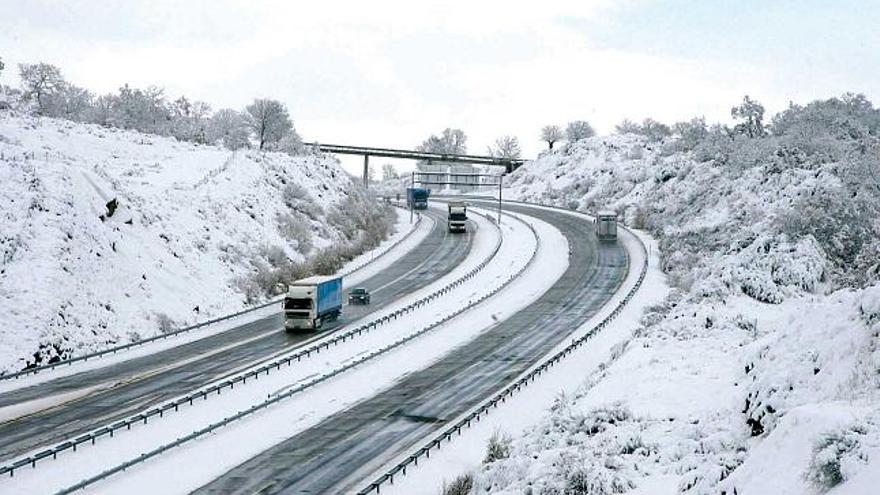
{"points": [[417, 198], [312, 301], [606, 225]]}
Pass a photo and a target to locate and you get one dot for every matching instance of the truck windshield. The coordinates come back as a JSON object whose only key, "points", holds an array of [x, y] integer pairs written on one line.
{"points": [[458, 216], [291, 303]]}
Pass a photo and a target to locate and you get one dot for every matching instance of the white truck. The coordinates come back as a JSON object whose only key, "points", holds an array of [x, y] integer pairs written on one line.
{"points": [[606, 225], [456, 221], [312, 301]]}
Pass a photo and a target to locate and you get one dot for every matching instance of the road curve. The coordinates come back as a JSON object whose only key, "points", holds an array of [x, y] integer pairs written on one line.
{"points": [[118, 391], [335, 455]]}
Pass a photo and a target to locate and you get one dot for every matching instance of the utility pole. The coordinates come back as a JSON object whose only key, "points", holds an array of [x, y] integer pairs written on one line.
{"points": [[366, 170], [412, 184], [500, 181]]}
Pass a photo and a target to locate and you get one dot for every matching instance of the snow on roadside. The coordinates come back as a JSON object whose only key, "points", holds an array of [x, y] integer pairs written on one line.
{"points": [[375, 260], [312, 405], [757, 374], [109, 235], [389, 250], [519, 414]]}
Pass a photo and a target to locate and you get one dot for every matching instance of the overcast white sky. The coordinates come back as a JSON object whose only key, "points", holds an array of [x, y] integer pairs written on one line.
{"points": [[391, 73]]}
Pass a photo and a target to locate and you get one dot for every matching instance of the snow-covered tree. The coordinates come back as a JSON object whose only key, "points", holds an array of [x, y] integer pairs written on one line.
{"points": [[389, 172], [72, 103], [40, 83], [505, 147], [551, 134], [752, 115], [290, 143], [691, 132], [2, 66], [627, 126], [143, 110], [189, 120], [229, 127], [449, 142], [269, 121], [650, 128], [577, 130], [655, 131]]}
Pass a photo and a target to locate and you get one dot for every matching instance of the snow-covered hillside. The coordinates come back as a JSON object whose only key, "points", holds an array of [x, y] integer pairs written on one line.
{"points": [[761, 372], [109, 235]]}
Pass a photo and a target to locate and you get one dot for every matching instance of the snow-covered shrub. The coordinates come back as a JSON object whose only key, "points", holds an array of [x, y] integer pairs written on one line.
{"points": [[300, 201], [869, 304], [772, 245], [835, 456], [497, 448], [461, 485], [296, 231], [164, 323]]}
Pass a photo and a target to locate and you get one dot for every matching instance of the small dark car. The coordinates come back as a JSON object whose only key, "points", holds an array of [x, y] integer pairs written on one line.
{"points": [[358, 295]]}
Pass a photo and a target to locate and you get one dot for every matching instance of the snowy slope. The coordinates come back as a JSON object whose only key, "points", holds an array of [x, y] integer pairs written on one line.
{"points": [[760, 372], [191, 223]]}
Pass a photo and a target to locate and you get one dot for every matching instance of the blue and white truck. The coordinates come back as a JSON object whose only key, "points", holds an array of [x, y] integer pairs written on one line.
{"points": [[312, 301], [417, 198]]}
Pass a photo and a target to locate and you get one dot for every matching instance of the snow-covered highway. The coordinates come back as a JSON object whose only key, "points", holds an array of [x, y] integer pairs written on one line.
{"points": [[349, 409], [116, 391]]}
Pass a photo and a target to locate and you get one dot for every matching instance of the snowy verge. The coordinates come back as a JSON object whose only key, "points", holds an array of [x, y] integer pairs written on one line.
{"points": [[407, 236], [112, 236], [465, 453], [395, 363]]}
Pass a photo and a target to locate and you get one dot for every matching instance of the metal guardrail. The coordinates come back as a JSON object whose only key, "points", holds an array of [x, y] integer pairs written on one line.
{"points": [[273, 400], [254, 373], [124, 347], [478, 412]]}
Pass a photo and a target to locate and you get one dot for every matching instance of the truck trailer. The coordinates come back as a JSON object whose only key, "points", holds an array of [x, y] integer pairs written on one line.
{"points": [[606, 225], [417, 198], [456, 221], [312, 301]]}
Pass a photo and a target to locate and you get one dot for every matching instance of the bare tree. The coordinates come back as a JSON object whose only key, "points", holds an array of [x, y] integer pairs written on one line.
{"points": [[389, 172], [579, 129], [505, 147], [551, 134], [1, 66], [40, 83], [269, 121]]}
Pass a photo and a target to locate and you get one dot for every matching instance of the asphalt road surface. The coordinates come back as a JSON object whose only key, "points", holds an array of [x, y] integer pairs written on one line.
{"points": [[118, 391], [337, 455]]}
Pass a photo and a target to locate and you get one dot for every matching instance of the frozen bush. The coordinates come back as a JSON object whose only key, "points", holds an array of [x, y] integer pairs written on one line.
{"points": [[276, 256], [299, 200], [833, 458], [497, 448], [461, 485], [164, 323], [295, 231], [869, 304]]}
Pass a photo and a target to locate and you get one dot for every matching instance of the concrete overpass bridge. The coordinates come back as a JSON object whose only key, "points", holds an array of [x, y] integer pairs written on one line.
{"points": [[509, 164]]}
